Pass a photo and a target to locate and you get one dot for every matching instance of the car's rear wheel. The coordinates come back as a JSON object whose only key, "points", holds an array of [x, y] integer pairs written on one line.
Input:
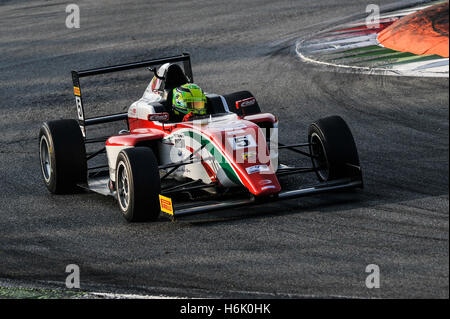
{"points": [[138, 184], [333, 149], [62, 156]]}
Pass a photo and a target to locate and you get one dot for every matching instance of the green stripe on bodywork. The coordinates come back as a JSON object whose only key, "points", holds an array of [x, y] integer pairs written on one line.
{"points": [[224, 164]]}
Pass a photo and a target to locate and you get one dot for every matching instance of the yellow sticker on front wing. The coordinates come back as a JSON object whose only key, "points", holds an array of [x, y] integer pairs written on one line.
{"points": [[166, 204]]}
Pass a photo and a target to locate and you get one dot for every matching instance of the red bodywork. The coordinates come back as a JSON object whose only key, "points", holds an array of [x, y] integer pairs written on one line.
{"points": [[250, 165]]}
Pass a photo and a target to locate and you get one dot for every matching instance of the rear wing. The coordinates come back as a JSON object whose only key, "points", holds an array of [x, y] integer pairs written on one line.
{"points": [[76, 75]]}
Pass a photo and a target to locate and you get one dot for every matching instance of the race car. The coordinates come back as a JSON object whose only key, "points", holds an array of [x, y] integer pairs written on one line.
{"points": [[226, 157]]}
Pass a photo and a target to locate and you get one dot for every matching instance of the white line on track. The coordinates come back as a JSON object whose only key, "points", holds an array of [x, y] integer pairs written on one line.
{"points": [[108, 295], [438, 72]]}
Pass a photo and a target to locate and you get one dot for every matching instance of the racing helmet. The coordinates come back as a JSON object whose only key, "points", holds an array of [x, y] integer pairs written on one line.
{"points": [[189, 98]]}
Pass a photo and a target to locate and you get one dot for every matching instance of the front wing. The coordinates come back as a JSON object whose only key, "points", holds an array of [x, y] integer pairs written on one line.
{"points": [[336, 185]]}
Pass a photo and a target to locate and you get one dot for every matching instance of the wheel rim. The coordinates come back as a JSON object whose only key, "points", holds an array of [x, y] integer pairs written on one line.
{"points": [[123, 187], [319, 158], [45, 159]]}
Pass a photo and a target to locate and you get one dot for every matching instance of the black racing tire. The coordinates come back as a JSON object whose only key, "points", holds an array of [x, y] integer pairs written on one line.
{"points": [[138, 184], [62, 155], [334, 149]]}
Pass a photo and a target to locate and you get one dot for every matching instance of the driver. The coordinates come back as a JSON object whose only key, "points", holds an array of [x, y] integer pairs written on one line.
{"points": [[188, 101]]}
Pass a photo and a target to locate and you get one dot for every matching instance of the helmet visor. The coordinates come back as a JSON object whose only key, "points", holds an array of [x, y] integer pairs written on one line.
{"points": [[196, 105]]}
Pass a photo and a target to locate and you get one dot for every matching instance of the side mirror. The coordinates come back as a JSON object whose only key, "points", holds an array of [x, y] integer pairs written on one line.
{"points": [[160, 117]]}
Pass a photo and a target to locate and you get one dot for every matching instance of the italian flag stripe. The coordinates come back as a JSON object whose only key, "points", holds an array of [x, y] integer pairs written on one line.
{"points": [[223, 162]]}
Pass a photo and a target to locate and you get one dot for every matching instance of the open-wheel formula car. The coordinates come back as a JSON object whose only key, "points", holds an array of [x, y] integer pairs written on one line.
{"points": [[232, 149]]}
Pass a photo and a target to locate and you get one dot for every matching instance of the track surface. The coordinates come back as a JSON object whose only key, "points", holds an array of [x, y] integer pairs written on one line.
{"points": [[318, 246]]}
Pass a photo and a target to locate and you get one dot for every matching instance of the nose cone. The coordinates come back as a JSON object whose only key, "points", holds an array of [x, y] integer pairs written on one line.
{"points": [[262, 183], [246, 150]]}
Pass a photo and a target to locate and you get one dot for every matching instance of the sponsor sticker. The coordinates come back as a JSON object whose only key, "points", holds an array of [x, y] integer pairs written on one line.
{"points": [[76, 90], [245, 102], [248, 155], [179, 142], [257, 169], [234, 131], [265, 182], [161, 117], [166, 204], [229, 125]]}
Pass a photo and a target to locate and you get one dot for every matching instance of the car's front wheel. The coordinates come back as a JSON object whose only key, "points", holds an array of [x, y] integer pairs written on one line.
{"points": [[138, 184], [333, 149]]}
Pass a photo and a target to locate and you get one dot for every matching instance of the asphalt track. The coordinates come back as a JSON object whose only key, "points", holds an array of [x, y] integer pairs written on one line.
{"points": [[319, 246]]}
